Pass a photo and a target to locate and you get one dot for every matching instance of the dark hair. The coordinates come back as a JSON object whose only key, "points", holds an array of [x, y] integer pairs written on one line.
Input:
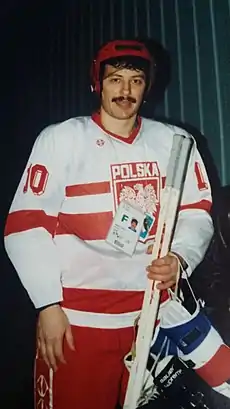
{"points": [[134, 221], [129, 62]]}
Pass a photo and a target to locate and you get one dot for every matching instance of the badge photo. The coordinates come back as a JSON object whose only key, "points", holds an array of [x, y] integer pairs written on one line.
{"points": [[147, 225]]}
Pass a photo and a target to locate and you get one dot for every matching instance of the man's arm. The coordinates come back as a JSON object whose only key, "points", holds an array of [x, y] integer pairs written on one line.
{"points": [[29, 232], [194, 228], [32, 220]]}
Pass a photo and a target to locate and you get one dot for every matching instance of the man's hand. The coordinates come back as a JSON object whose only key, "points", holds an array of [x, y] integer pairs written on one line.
{"points": [[53, 327], [165, 270]]}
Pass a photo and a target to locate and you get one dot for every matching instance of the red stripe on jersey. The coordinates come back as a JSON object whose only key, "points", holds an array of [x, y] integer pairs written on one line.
{"points": [[88, 189], [104, 301], [87, 226], [23, 220], [203, 204], [217, 370]]}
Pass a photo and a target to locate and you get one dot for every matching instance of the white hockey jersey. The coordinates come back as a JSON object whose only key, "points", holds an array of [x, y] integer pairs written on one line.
{"points": [[76, 176]]}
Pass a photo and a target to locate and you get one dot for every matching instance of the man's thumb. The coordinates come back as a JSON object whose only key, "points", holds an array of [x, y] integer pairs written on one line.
{"points": [[69, 338]]}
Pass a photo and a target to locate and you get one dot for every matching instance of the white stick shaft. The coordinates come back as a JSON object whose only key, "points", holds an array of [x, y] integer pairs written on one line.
{"points": [[147, 321], [169, 206]]}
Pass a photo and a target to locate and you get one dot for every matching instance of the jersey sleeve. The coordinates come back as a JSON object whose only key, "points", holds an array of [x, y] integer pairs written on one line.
{"points": [[33, 216], [194, 228]]}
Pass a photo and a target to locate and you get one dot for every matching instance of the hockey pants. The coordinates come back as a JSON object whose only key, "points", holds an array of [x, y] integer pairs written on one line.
{"points": [[94, 376]]}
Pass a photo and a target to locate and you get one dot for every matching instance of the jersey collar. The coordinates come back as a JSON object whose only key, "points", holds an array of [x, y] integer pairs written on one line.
{"points": [[97, 119]]}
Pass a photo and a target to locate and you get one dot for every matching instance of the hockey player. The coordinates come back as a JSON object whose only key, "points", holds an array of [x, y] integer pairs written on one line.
{"points": [[67, 232]]}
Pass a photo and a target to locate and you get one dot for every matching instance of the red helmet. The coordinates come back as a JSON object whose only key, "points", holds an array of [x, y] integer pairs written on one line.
{"points": [[118, 48]]}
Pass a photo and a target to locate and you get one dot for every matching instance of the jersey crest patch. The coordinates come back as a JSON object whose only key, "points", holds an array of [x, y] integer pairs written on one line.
{"points": [[139, 184]]}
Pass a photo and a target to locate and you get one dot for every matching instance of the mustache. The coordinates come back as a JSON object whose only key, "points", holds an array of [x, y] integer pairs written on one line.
{"points": [[120, 99]]}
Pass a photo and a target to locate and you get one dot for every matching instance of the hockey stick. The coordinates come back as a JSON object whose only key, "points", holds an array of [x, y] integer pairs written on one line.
{"points": [[176, 173]]}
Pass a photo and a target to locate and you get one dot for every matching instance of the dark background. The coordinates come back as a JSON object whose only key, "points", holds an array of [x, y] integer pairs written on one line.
{"points": [[46, 50]]}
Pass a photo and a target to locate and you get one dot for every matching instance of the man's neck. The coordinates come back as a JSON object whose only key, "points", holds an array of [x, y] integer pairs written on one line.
{"points": [[121, 127]]}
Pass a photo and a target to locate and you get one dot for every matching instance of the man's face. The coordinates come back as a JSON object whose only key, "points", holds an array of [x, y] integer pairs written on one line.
{"points": [[122, 91]]}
